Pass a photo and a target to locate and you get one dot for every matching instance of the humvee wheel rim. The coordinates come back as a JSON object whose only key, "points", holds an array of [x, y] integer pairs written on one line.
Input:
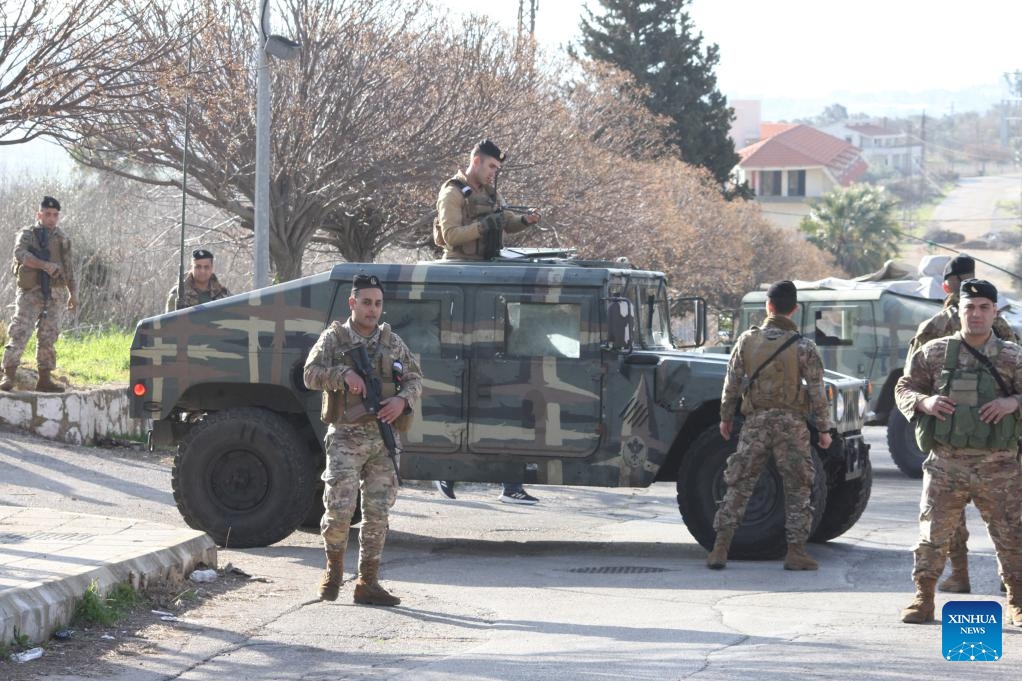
{"points": [[238, 480]]}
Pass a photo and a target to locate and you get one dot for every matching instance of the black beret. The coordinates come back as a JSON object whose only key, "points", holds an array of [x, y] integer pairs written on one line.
{"points": [[978, 288], [783, 291], [202, 254], [959, 265], [362, 281], [488, 148], [49, 202]]}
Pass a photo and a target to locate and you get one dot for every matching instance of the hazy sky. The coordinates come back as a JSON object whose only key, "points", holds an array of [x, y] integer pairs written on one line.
{"points": [[797, 54]]}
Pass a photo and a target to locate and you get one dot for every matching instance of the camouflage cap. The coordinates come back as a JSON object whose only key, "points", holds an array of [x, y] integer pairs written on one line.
{"points": [[978, 288], [962, 266], [202, 254], [49, 202], [362, 281], [488, 148]]}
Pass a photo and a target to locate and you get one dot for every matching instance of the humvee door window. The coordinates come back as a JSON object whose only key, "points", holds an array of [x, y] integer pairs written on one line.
{"points": [[417, 322], [543, 330]]}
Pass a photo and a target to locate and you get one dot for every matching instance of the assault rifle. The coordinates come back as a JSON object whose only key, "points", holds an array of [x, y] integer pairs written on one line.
{"points": [[493, 240], [43, 253], [371, 401]]}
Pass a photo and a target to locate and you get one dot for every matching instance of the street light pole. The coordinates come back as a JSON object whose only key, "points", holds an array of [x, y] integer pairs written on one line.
{"points": [[262, 169]]}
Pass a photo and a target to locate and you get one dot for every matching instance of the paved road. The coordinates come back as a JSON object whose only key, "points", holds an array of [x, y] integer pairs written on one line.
{"points": [[591, 584], [978, 206]]}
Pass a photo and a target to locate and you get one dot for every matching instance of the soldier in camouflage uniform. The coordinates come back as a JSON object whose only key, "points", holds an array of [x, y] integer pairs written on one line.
{"points": [[946, 323], [469, 207], [962, 392], [354, 447], [201, 285], [42, 260], [782, 376]]}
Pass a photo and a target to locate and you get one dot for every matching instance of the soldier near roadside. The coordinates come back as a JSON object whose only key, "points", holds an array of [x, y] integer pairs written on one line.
{"points": [[778, 376], [470, 212], [46, 285], [962, 392], [355, 453], [946, 323], [200, 284]]}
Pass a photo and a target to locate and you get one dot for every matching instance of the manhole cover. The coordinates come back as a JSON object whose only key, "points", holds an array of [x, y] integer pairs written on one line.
{"points": [[617, 569]]}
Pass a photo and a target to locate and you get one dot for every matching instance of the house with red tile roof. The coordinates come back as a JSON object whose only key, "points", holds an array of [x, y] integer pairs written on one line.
{"points": [[792, 164], [882, 147]]}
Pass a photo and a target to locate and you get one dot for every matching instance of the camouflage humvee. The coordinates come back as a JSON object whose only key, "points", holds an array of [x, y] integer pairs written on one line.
{"points": [[538, 369]]}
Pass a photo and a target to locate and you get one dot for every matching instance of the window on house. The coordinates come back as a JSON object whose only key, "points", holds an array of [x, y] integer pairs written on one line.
{"points": [[796, 183], [771, 183]]}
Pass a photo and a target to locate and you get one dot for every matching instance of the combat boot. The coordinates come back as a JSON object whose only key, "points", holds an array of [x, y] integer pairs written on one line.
{"points": [[1014, 609], [920, 610], [717, 559], [333, 576], [46, 385], [10, 372], [798, 559], [368, 591], [958, 581]]}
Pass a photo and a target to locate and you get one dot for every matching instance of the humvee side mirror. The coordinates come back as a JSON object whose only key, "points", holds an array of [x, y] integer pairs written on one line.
{"points": [[619, 324], [688, 321]]}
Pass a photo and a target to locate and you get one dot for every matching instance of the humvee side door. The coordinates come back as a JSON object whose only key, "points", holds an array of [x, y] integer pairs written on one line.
{"points": [[536, 376]]}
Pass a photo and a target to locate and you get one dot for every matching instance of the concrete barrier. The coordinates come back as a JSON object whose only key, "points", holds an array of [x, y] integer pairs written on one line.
{"points": [[76, 417]]}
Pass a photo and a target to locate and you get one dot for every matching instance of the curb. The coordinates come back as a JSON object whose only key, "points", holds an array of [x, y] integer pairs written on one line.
{"points": [[75, 417]]}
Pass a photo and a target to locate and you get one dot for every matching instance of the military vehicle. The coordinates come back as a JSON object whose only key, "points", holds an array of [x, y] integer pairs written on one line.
{"points": [[538, 369]]}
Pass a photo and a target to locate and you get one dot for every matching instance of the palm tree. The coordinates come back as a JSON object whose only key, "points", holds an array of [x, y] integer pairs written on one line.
{"points": [[856, 224]]}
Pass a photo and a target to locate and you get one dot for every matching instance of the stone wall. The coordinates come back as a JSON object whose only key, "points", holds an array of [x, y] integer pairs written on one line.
{"points": [[76, 417]]}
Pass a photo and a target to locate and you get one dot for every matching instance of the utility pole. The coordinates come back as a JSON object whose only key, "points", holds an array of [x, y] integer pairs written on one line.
{"points": [[262, 170]]}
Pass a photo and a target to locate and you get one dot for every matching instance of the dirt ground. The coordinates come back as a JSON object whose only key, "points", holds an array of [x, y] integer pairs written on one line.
{"points": [[94, 651]]}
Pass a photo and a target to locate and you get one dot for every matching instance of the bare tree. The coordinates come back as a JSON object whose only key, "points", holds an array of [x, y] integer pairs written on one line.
{"points": [[382, 94], [62, 61]]}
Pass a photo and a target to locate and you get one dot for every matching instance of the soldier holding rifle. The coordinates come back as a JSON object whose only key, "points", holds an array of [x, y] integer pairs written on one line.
{"points": [[356, 441]]}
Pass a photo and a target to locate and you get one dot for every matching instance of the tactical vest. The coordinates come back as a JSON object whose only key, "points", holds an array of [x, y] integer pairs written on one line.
{"points": [[339, 405], [28, 277], [778, 385], [475, 205], [971, 389]]}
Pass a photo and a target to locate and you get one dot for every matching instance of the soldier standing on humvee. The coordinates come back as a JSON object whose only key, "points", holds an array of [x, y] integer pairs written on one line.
{"points": [[964, 392], [470, 211], [355, 453], [200, 285], [783, 377], [946, 323], [42, 266]]}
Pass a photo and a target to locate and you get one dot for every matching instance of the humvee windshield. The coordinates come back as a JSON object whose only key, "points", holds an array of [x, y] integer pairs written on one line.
{"points": [[652, 313]]}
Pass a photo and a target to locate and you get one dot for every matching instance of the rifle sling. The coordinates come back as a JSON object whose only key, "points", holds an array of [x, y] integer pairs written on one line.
{"points": [[985, 361]]}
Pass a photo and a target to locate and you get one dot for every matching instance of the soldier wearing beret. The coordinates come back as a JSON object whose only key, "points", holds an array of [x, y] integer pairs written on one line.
{"points": [[470, 211], [946, 323], [201, 285], [44, 272], [355, 452], [778, 377], [963, 394]]}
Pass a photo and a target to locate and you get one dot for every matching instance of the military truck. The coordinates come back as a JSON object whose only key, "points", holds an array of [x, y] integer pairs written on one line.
{"points": [[862, 332], [538, 369]]}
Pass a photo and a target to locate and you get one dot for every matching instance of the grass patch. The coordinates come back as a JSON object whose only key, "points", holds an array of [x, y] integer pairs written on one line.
{"points": [[94, 608], [18, 644], [90, 359]]}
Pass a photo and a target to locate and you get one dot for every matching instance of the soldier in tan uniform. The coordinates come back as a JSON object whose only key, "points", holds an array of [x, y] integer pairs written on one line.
{"points": [[946, 323], [43, 269], [962, 392], [201, 284], [356, 457], [782, 377], [470, 211]]}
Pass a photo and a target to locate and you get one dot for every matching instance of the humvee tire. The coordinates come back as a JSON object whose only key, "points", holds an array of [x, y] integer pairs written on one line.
{"points": [[241, 476], [901, 440], [701, 485], [846, 502]]}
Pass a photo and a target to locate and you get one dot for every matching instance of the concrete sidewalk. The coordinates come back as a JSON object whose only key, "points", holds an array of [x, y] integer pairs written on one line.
{"points": [[48, 559]]}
